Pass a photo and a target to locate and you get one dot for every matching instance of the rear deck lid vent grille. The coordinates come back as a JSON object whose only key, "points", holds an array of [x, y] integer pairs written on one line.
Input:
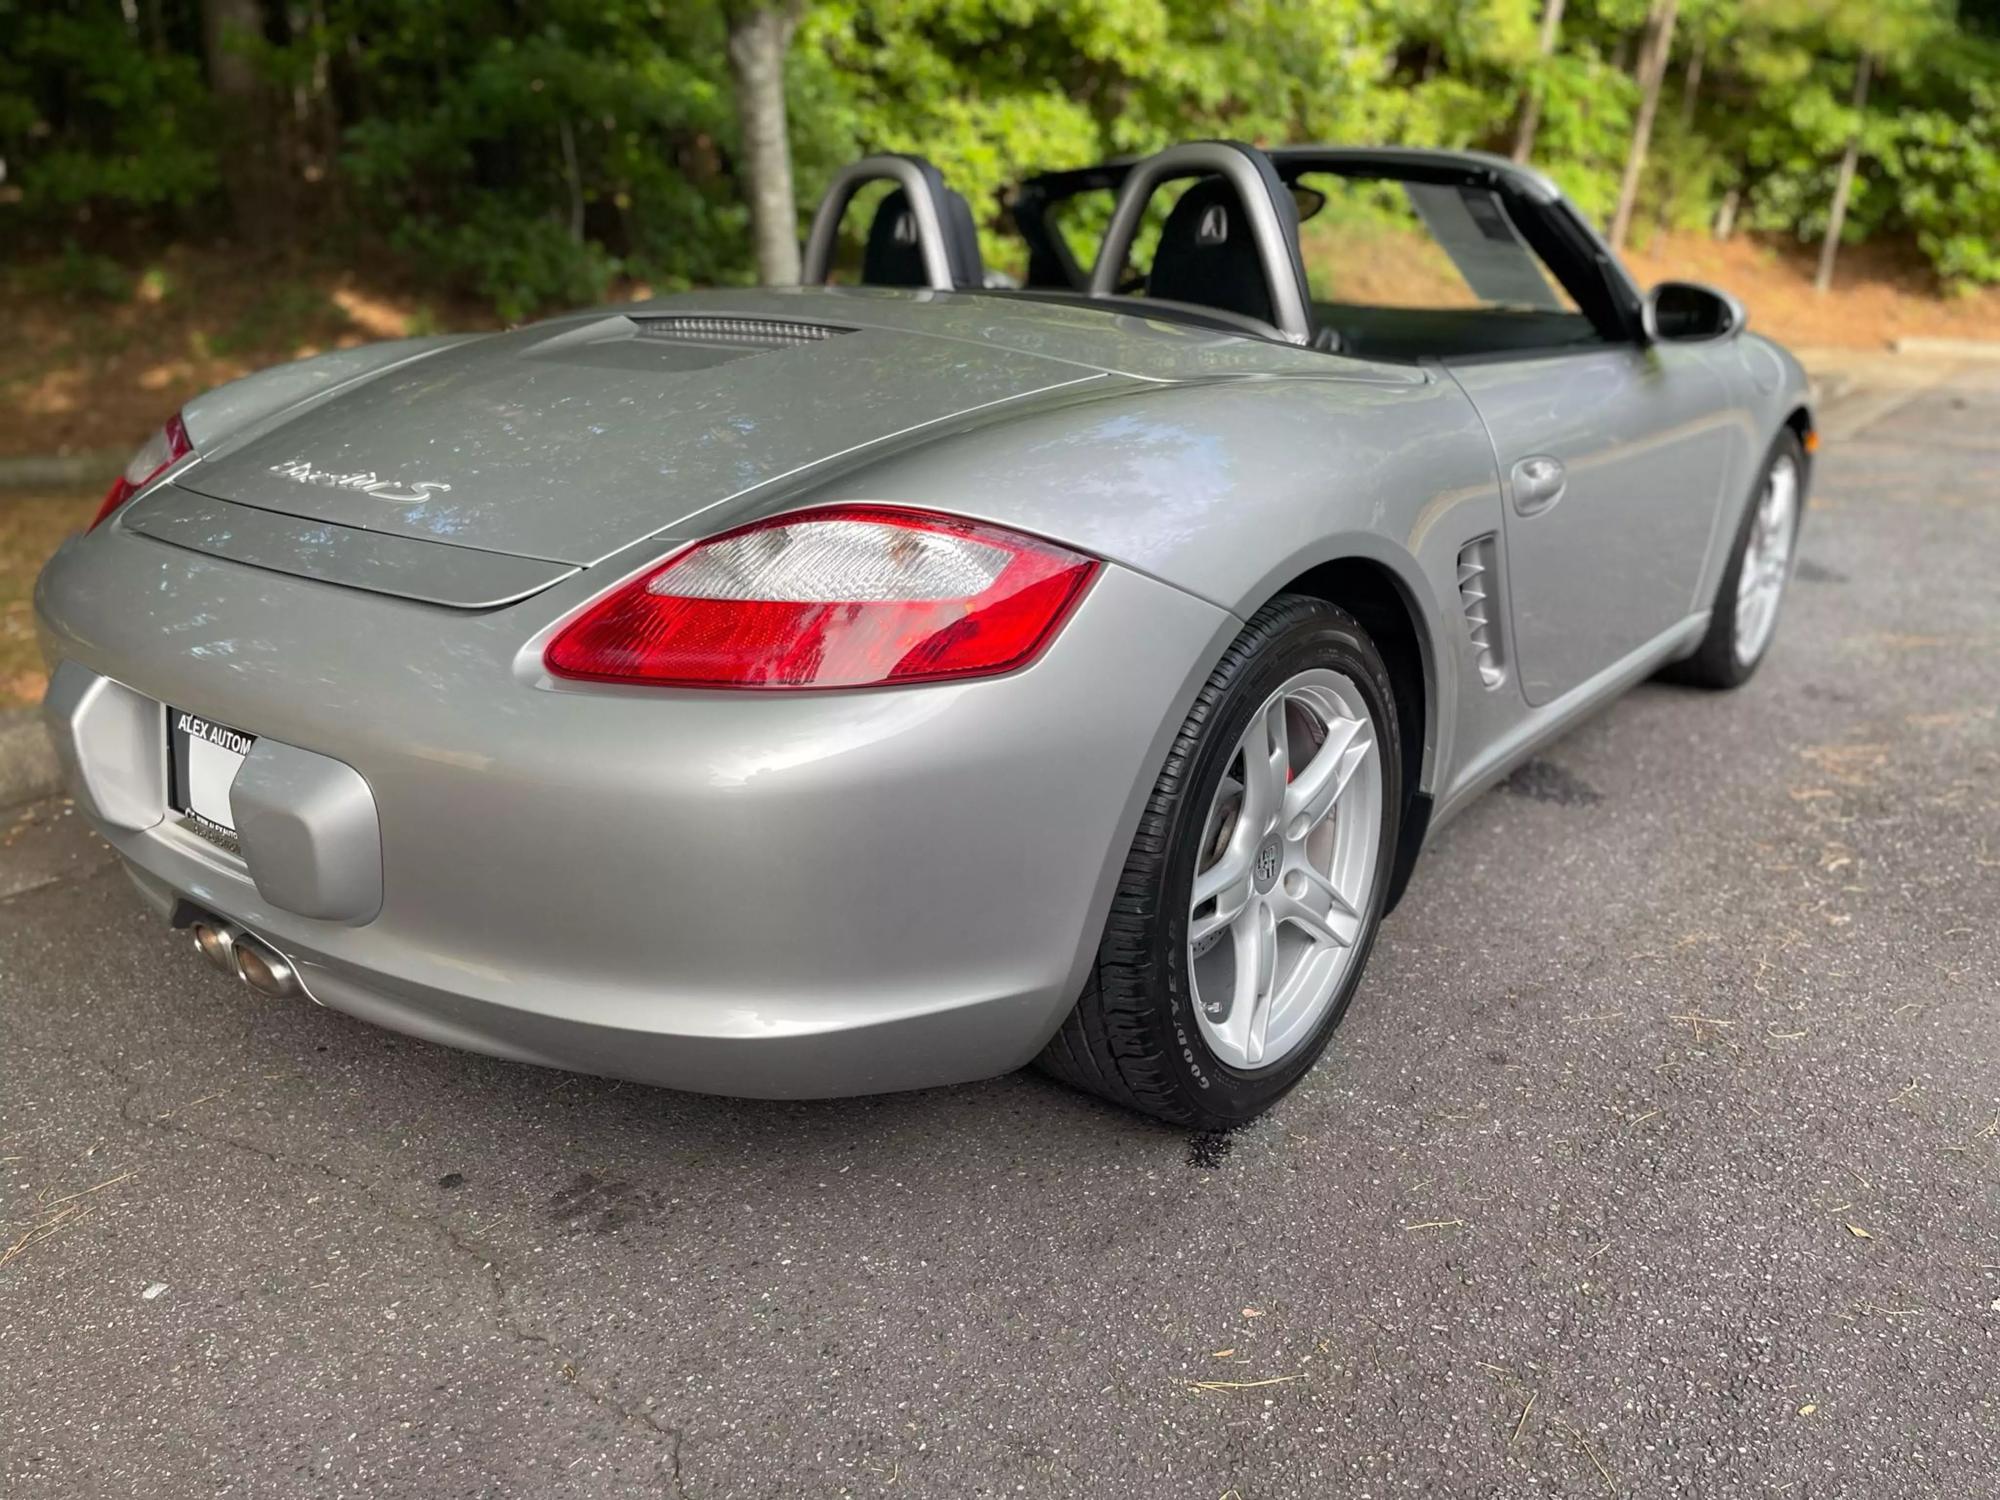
{"points": [[737, 333], [1476, 593]]}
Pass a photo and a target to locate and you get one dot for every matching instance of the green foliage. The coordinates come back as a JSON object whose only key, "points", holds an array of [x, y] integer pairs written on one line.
{"points": [[282, 313], [1930, 132], [79, 275], [1587, 109], [532, 153], [91, 118], [518, 267], [534, 164], [1941, 165]]}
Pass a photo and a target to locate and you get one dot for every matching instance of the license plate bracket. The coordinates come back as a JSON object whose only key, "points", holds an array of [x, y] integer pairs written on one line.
{"points": [[203, 758]]}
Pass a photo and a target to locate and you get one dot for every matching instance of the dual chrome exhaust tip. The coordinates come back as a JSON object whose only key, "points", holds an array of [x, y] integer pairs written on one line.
{"points": [[234, 951]]}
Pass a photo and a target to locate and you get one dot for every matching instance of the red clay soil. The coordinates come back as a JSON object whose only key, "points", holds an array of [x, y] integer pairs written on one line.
{"points": [[1879, 294]]}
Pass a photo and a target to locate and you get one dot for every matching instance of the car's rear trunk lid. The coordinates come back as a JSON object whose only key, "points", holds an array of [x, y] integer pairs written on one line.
{"points": [[568, 442]]}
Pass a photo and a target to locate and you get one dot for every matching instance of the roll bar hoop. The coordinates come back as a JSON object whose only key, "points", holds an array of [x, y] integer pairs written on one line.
{"points": [[1265, 201], [921, 183]]}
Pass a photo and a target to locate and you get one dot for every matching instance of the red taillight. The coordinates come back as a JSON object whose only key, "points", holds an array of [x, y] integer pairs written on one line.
{"points": [[847, 596], [167, 446]]}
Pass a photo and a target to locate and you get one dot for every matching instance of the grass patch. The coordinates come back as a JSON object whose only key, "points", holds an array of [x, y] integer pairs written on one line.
{"points": [[283, 317], [31, 526]]}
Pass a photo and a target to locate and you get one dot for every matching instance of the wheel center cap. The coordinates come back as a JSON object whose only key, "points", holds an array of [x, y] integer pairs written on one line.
{"points": [[1270, 859]]}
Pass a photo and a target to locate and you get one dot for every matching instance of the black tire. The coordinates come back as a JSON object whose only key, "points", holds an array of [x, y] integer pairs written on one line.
{"points": [[1714, 664], [1132, 1037]]}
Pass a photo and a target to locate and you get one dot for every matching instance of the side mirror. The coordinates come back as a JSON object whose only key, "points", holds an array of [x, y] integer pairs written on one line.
{"points": [[1686, 312]]}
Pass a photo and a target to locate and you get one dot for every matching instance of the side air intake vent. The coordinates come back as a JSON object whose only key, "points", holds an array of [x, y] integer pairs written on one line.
{"points": [[1475, 596], [737, 333]]}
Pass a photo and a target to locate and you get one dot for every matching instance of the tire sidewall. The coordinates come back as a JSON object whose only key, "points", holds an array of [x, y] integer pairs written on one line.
{"points": [[1721, 643], [1318, 636]]}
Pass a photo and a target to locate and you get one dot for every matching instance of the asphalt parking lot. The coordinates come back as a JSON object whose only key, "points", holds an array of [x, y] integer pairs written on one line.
{"points": [[1660, 1155]]}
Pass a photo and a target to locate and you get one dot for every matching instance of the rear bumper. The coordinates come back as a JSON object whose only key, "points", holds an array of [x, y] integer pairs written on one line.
{"points": [[870, 1049], [783, 896]]}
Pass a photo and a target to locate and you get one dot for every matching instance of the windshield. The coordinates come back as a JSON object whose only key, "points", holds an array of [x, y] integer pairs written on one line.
{"points": [[1385, 243]]}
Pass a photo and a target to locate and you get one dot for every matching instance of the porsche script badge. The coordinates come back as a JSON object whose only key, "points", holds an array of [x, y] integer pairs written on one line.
{"points": [[299, 471]]}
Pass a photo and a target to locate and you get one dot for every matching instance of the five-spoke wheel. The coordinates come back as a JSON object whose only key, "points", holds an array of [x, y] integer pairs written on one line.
{"points": [[1767, 559], [1288, 856]]}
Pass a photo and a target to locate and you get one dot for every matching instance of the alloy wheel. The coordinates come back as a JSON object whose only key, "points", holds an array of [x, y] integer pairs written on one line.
{"points": [[1767, 561], [1286, 870]]}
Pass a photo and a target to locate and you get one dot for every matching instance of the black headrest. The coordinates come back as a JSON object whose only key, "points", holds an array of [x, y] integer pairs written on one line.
{"points": [[1208, 256], [961, 241], [894, 255]]}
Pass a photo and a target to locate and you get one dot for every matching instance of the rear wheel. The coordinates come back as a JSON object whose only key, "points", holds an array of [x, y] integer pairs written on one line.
{"points": [[1745, 614], [1250, 899]]}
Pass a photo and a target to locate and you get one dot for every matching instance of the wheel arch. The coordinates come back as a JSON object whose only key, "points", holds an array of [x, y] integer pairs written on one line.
{"points": [[1800, 421]]}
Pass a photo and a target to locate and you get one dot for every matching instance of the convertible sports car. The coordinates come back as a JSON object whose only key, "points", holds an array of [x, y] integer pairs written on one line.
{"points": [[863, 686]]}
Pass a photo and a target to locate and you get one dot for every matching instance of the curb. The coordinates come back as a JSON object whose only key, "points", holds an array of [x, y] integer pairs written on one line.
{"points": [[1822, 390], [1980, 349], [1841, 420], [27, 760], [59, 470]]}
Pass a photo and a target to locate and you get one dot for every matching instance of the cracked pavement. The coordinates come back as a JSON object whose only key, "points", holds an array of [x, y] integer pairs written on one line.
{"points": [[1660, 1154]]}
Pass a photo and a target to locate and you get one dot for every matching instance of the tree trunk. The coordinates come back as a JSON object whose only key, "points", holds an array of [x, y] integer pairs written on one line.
{"points": [[1843, 186], [759, 36], [250, 177], [226, 25], [1652, 73], [325, 118], [1531, 101], [572, 179], [1691, 85], [1725, 216]]}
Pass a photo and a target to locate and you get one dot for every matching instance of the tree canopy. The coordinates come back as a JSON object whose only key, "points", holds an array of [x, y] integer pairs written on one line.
{"points": [[531, 150]]}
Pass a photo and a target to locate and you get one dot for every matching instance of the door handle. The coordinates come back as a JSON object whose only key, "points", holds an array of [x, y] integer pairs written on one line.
{"points": [[1538, 482]]}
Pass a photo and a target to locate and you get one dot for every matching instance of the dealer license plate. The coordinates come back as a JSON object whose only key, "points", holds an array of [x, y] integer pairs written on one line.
{"points": [[203, 760]]}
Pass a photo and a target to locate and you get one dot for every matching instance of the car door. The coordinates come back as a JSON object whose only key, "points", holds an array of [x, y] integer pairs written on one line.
{"points": [[1611, 465]]}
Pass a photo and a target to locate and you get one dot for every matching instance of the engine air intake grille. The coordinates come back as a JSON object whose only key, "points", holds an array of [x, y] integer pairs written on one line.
{"points": [[1475, 596], [737, 333]]}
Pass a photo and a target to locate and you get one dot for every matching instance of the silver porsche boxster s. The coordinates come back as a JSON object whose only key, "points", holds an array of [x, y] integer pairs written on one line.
{"points": [[921, 672]]}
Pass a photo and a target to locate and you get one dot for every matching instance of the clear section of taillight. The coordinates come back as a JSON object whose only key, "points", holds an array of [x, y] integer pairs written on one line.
{"points": [[166, 447], [847, 596], [833, 560]]}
